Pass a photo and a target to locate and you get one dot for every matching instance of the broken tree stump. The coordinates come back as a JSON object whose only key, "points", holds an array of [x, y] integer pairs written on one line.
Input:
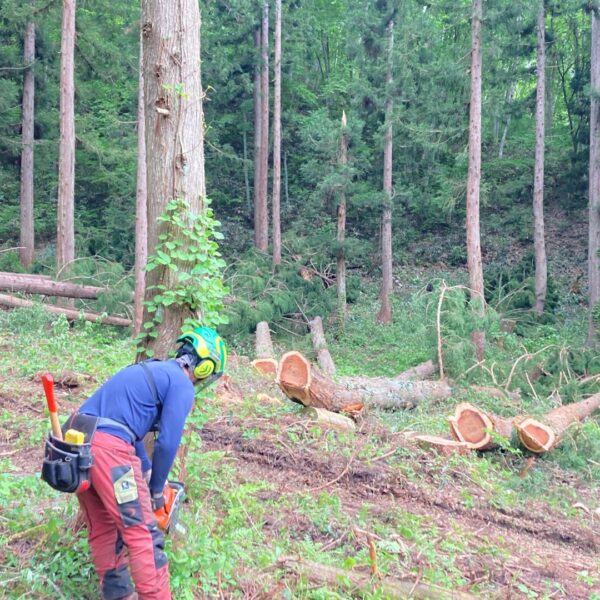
{"points": [[264, 362], [541, 435], [474, 427], [317, 335]]}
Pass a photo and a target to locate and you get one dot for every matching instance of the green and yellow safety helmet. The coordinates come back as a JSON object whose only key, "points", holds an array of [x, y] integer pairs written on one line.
{"points": [[210, 349]]}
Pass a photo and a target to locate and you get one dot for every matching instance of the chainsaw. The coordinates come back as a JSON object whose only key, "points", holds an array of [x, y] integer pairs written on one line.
{"points": [[168, 517]]}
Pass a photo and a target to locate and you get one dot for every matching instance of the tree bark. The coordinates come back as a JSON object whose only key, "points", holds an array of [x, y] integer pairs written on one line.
{"points": [[277, 140], [27, 241], [474, 180], [141, 207], [71, 314], [263, 344], [257, 140], [324, 359], [473, 426], [385, 312], [304, 383], [541, 435], [539, 242], [263, 234], [341, 232], [174, 138], [594, 182], [47, 287], [65, 237]]}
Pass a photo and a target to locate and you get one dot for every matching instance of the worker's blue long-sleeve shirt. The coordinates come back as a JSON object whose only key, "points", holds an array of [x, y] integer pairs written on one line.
{"points": [[127, 398]]}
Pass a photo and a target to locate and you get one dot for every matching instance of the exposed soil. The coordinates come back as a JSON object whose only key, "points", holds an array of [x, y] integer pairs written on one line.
{"points": [[540, 546]]}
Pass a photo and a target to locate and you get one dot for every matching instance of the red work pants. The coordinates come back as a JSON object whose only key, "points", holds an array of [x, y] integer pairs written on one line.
{"points": [[119, 516]]}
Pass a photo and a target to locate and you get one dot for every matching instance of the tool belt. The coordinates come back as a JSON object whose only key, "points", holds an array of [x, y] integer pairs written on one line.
{"points": [[66, 467]]}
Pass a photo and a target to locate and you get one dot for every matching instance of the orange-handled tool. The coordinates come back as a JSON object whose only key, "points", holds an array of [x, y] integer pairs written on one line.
{"points": [[48, 383]]}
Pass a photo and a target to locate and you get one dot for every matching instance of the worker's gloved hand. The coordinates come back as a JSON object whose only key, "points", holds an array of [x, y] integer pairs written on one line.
{"points": [[158, 501], [161, 505]]}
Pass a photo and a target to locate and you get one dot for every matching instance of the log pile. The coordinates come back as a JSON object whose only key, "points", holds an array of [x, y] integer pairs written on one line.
{"points": [[331, 401], [45, 286]]}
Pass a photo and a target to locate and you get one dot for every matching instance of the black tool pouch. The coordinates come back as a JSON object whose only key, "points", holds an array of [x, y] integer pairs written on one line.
{"points": [[66, 467]]}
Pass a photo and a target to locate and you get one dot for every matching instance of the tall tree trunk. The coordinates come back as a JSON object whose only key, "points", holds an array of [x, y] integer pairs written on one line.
{"points": [[65, 237], [474, 178], [341, 231], [257, 138], [263, 215], [594, 178], [246, 176], [141, 216], [385, 312], [26, 245], [539, 242], [174, 137], [277, 140]]}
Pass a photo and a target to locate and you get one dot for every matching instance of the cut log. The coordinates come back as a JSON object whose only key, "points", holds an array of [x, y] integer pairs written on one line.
{"points": [[441, 445], [303, 383], [324, 359], [306, 384], [330, 419], [263, 343], [361, 583], [265, 366], [71, 314], [31, 284], [473, 426], [541, 435]]}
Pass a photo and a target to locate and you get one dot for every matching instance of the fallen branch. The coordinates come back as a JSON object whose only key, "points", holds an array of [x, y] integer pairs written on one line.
{"points": [[389, 587], [71, 314]]}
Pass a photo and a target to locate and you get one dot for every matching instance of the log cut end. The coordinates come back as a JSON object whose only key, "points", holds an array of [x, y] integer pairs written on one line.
{"points": [[293, 376], [472, 426], [266, 366], [534, 435], [441, 445]]}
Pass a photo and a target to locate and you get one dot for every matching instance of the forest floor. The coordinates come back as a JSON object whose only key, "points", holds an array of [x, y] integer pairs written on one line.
{"points": [[495, 525]]}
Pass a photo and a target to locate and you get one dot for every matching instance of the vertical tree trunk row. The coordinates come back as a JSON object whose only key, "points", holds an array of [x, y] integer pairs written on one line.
{"points": [[594, 177], [277, 140], [27, 240], [539, 242], [385, 312], [65, 237], [474, 179]]}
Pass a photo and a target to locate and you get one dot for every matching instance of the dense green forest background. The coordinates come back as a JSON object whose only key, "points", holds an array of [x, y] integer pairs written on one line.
{"points": [[333, 61]]}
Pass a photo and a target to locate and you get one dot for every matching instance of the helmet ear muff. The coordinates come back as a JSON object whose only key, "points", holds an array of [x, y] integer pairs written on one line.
{"points": [[205, 368]]}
